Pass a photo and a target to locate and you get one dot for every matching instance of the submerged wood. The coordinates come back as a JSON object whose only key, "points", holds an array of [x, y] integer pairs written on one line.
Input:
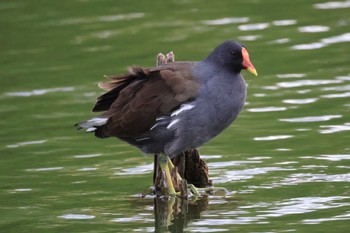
{"points": [[188, 164]]}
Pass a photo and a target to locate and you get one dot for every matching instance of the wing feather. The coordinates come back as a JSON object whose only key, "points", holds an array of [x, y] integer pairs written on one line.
{"points": [[134, 101]]}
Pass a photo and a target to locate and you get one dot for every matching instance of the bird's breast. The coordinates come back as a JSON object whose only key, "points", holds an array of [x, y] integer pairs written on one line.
{"points": [[223, 99]]}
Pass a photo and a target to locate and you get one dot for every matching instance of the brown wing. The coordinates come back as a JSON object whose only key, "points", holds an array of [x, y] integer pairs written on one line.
{"points": [[134, 101]]}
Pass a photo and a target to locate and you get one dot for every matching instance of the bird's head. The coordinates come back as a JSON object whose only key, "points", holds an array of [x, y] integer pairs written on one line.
{"points": [[233, 55]]}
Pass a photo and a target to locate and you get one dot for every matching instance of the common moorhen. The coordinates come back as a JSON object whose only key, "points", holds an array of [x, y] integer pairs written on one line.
{"points": [[174, 107]]}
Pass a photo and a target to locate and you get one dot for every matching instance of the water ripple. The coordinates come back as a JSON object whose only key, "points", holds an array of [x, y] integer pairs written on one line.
{"points": [[142, 169], [245, 174], [274, 137], [313, 28], [86, 156], [334, 158], [300, 178], [295, 75], [280, 41], [334, 128], [344, 78], [338, 95], [307, 82], [249, 38], [324, 42], [341, 217], [253, 27], [311, 118], [304, 205], [224, 21], [26, 143], [44, 169], [337, 88], [39, 92], [20, 190], [205, 229], [300, 101], [230, 163], [77, 216], [104, 18], [332, 5], [284, 22], [88, 169], [267, 109]]}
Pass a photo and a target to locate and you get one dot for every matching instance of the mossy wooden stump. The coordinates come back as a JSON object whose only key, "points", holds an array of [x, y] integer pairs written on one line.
{"points": [[192, 169]]}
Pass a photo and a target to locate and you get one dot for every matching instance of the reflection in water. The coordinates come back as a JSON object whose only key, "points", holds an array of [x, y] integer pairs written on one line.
{"points": [[174, 214], [169, 214]]}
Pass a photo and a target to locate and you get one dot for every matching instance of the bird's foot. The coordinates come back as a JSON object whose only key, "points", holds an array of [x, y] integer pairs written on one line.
{"points": [[170, 183]]}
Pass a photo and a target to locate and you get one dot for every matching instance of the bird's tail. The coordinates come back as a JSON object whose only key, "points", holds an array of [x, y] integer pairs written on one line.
{"points": [[92, 124]]}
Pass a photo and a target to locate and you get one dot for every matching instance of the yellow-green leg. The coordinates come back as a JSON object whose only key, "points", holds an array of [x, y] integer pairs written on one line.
{"points": [[191, 187], [164, 165]]}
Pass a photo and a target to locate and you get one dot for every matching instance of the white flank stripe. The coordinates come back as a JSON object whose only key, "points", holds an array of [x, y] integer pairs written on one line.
{"points": [[184, 107], [155, 125], [172, 123], [142, 139], [92, 129], [160, 118]]}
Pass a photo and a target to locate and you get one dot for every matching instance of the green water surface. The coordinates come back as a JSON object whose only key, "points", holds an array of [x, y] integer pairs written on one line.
{"points": [[285, 159]]}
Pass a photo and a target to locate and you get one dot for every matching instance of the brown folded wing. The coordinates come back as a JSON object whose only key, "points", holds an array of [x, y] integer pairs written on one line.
{"points": [[134, 101]]}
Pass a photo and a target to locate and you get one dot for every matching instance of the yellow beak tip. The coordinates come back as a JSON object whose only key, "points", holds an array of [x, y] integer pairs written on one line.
{"points": [[253, 71]]}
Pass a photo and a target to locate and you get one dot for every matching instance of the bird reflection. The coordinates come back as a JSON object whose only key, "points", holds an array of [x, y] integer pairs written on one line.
{"points": [[173, 214]]}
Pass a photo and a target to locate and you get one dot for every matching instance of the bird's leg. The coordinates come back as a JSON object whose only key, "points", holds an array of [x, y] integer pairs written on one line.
{"points": [[164, 165], [172, 166], [191, 187], [171, 174]]}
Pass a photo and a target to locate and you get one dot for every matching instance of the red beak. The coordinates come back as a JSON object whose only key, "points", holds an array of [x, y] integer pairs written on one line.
{"points": [[246, 62]]}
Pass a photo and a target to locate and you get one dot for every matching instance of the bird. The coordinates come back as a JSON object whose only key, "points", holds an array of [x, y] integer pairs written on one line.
{"points": [[174, 107]]}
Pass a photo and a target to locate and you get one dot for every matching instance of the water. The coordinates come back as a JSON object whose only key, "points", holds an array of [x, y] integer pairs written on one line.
{"points": [[286, 159]]}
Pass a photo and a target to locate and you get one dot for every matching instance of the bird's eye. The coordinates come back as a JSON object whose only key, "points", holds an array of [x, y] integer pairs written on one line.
{"points": [[234, 54]]}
